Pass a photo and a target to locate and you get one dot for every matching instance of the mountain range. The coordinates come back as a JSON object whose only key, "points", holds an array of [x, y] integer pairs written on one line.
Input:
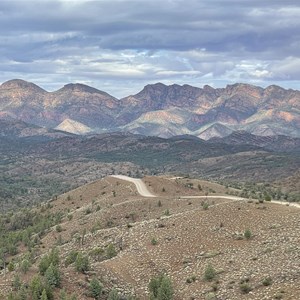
{"points": [[157, 110]]}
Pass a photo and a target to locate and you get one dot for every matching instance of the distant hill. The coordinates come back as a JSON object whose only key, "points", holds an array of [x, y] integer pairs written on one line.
{"points": [[273, 143], [37, 167], [158, 110], [13, 129]]}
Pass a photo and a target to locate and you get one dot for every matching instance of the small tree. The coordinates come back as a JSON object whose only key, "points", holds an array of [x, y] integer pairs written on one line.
{"points": [[44, 264], [54, 257], [165, 291], [25, 265], [95, 288], [161, 288], [47, 260], [16, 283], [53, 276], [82, 263], [153, 286], [36, 287]]}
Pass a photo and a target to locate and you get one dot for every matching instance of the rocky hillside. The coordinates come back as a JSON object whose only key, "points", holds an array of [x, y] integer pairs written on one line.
{"points": [[104, 239], [31, 104], [212, 112], [158, 110]]}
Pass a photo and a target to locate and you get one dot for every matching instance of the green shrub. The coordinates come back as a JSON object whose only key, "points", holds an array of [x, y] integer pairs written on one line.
{"points": [[113, 295], [97, 253], [111, 251], [205, 206], [71, 257], [95, 288], [245, 287], [38, 287], [44, 295], [268, 197], [47, 260], [167, 212], [267, 281], [11, 266], [53, 276], [88, 211], [58, 228], [44, 264], [209, 273], [161, 288], [154, 241], [82, 263], [247, 234], [191, 279], [25, 265], [16, 283]]}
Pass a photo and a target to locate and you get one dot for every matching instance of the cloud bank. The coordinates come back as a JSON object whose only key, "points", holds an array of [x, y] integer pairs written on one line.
{"points": [[119, 46]]}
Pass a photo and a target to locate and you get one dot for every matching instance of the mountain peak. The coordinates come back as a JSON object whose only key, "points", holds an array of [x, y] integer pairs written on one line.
{"points": [[20, 84], [79, 87], [154, 86]]}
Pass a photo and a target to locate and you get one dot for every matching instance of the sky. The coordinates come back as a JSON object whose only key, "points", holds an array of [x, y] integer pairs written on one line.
{"points": [[120, 46]]}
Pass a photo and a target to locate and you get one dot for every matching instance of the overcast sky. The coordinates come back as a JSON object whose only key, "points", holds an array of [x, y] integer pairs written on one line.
{"points": [[119, 46]]}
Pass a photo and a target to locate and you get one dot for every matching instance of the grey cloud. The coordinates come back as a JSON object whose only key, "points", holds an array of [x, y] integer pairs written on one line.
{"points": [[178, 25], [122, 41]]}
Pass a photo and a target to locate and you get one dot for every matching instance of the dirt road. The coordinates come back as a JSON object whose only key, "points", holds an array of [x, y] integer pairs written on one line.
{"points": [[143, 191], [140, 185]]}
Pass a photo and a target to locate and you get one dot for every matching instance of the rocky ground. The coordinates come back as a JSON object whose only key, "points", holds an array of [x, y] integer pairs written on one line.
{"points": [[190, 234]]}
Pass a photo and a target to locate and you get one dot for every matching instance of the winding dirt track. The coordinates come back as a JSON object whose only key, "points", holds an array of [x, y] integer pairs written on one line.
{"points": [[140, 185], [143, 191]]}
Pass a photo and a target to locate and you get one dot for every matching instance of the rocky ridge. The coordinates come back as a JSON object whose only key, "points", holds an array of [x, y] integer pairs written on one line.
{"points": [[158, 109]]}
